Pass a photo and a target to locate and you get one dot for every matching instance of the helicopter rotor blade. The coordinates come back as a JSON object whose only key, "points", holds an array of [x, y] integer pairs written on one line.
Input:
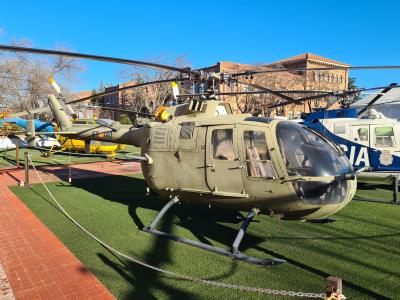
{"points": [[29, 112], [287, 98], [343, 94], [175, 90], [95, 57], [126, 88], [255, 72], [376, 98], [350, 92], [128, 111], [255, 93]]}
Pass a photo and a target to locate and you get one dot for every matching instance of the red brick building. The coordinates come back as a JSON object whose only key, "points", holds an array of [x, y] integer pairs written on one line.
{"points": [[332, 80]]}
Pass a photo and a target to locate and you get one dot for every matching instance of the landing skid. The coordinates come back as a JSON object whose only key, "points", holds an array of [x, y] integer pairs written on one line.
{"points": [[234, 253]]}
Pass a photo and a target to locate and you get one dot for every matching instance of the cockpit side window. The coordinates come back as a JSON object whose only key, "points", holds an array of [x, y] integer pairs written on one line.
{"points": [[187, 130], [222, 144], [257, 156], [384, 136], [363, 134]]}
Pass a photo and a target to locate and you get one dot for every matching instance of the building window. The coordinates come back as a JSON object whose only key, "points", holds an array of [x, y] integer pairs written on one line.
{"points": [[316, 76], [341, 78]]}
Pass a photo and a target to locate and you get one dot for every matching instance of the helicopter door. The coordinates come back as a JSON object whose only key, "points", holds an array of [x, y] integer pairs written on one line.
{"points": [[360, 135], [223, 168], [256, 159]]}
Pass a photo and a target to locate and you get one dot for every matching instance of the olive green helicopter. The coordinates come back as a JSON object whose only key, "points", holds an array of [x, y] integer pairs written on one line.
{"points": [[200, 152]]}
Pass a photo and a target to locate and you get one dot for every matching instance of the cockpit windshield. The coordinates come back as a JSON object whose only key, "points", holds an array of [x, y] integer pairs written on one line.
{"points": [[306, 153]]}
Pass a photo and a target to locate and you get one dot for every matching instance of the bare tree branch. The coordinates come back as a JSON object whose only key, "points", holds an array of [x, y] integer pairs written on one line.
{"points": [[24, 78]]}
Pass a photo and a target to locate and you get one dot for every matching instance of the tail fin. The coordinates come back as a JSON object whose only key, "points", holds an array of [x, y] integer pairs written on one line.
{"points": [[59, 114], [57, 88]]}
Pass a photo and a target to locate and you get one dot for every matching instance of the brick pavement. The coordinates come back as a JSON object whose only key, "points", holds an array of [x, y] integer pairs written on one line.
{"points": [[36, 263]]}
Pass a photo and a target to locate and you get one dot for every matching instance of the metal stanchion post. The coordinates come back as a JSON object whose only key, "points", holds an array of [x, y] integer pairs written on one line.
{"points": [[334, 288], [26, 156], [396, 189], [17, 154]]}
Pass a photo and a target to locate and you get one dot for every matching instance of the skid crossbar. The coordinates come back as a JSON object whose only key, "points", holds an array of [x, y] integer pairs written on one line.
{"points": [[234, 253]]}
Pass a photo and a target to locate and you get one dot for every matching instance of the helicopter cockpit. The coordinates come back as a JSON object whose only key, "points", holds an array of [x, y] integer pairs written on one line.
{"points": [[306, 153]]}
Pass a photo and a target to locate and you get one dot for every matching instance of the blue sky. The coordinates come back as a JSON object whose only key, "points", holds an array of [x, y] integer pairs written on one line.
{"points": [[355, 32]]}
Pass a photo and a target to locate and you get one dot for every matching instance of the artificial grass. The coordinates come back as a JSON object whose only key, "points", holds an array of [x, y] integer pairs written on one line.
{"points": [[362, 246], [381, 191], [8, 158]]}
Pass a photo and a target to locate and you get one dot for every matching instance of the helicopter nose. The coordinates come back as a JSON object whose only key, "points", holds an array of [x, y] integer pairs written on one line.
{"points": [[320, 169], [329, 192]]}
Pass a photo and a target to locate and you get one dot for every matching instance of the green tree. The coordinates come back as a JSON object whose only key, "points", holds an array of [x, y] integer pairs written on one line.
{"points": [[353, 86], [95, 100], [125, 120]]}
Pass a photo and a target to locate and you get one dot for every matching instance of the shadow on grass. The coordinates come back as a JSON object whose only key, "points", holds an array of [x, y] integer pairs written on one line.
{"points": [[204, 224], [201, 221], [372, 186], [316, 271], [145, 280]]}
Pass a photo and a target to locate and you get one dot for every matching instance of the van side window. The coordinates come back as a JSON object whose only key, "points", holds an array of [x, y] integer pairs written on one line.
{"points": [[384, 136], [339, 129], [258, 160], [222, 144]]}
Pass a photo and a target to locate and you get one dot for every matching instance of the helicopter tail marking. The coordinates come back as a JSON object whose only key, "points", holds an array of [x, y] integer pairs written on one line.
{"points": [[54, 85]]}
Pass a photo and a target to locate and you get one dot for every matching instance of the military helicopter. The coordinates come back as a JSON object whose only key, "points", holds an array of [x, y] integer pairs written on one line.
{"points": [[49, 140], [199, 152]]}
